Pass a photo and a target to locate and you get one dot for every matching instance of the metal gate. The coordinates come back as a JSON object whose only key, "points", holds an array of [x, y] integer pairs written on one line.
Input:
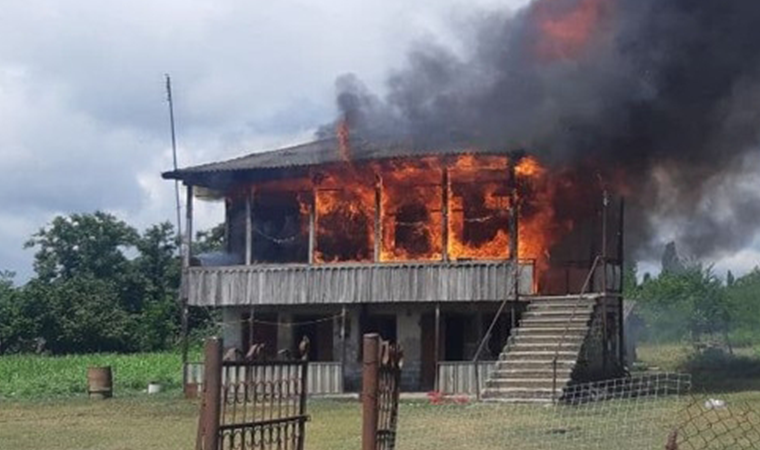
{"points": [[252, 404]]}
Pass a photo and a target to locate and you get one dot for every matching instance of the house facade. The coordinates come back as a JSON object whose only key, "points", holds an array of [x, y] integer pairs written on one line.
{"points": [[449, 253]]}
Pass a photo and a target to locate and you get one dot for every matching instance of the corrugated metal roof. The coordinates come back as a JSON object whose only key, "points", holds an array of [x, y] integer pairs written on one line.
{"points": [[319, 152]]}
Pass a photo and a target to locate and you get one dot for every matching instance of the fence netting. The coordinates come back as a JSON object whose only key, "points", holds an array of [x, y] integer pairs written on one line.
{"points": [[633, 413]]}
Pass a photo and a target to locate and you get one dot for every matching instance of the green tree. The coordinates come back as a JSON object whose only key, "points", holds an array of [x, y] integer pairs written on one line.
{"points": [[159, 267], [689, 304], [211, 240], [82, 244], [743, 295]]}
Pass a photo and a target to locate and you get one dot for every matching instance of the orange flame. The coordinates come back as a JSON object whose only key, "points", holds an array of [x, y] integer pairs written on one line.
{"points": [[343, 134], [411, 200], [566, 33]]}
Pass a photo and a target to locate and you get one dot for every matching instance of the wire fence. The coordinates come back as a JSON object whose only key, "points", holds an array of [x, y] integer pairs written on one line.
{"points": [[635, 413], [648, 412]]}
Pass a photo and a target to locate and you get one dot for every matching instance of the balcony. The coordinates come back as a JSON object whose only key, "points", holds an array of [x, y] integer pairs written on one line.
{"points": [[304, 284]]}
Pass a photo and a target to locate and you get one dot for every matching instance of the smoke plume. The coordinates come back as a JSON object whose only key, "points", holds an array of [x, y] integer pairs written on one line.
{"points": [[661, 97]]}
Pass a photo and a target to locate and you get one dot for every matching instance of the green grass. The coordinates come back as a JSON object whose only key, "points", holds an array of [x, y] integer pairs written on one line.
{"points": [[166, 422], [33, 376], [44, 406]]}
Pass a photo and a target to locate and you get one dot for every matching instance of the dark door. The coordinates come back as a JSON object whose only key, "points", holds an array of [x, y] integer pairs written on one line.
{"points": [[428, 351]]}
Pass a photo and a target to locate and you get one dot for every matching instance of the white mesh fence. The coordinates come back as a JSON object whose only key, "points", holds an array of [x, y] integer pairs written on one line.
{"points": [[633, 413]]}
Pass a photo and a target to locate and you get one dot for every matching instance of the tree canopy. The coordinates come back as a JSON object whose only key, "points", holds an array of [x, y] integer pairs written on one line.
{"points": [[99, 285]]}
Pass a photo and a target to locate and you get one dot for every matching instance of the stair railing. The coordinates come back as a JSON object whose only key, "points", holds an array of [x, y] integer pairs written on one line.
{"points": [[488, 334], [561, 343]]}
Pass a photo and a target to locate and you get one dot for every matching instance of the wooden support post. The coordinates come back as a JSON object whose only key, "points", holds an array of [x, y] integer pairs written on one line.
{"points": [[437, 343], [621, 257], [514, 244], [188, 227], [312, 226], [251, 333], [378, 219], [445, 214], [249, 226], [227, 222], [605, 325], [343, 337], [185, 283], [212, 392], [370, 368]]}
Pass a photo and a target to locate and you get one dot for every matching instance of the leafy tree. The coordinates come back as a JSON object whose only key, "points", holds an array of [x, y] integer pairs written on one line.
{"points": [[211, 240], [159, 266], [82, 244], [743, 296], [690, 303]]}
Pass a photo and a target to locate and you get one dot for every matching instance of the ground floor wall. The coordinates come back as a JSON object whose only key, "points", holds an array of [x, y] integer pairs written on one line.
{"points": [[428, 333]]}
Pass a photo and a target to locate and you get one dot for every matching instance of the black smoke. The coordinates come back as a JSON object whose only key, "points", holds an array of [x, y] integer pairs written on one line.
{"points": [[665, 97]]}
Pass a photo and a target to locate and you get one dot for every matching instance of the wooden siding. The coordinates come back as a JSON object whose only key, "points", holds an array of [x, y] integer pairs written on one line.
{"points": [[360, 283], [323, 378], [456, 378]]}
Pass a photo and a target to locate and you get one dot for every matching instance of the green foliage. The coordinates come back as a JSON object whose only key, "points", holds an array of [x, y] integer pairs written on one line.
{"points": [[82, 245], [689, 303], [100, 286], [37, 376], [210, 240]]}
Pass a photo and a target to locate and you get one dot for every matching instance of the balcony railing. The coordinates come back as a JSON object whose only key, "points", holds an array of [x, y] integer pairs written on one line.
{"points": [[356, 283]]}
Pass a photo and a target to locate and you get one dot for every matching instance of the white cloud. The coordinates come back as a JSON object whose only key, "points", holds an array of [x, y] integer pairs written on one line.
{"points": [[83, 119]]}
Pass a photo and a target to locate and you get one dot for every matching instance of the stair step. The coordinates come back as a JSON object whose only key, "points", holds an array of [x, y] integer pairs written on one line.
{"points": [[561, 313], [548, 339], [535, 365], [553, 320], [537, 355], [553, 331], [563, 372], [550, 346], [569, 304]]}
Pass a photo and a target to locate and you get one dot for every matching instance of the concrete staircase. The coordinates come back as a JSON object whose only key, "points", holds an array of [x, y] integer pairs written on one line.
{"points": [[524, 371]]}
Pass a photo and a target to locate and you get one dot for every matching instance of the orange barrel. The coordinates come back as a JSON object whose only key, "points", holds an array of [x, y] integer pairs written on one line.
{"points": [[99, 382]]}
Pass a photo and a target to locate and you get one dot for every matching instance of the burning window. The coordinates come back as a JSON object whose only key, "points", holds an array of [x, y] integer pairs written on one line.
{"points": [[412, 213], [345, 224], [479, 208], [280, 227]]}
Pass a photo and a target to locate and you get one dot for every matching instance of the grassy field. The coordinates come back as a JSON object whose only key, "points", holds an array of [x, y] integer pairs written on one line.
{"points": [[168, 422], [43, 377], [43, 406]]}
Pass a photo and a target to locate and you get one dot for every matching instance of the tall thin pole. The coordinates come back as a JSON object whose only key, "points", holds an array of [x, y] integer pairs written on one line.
{"points": [[174, 155], [183, 252]]}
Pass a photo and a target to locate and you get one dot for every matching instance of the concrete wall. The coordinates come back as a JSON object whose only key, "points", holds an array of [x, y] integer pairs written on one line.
{"points": [[409, 335], [232, 327]]}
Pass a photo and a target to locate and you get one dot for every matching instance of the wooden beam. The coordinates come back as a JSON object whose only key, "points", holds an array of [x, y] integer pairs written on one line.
{"points": [[248, 226], [185, 283], [437, 343], [187, 253], [514, 217], [378, 219], [343, 337], [445, 214], [312, 226]]}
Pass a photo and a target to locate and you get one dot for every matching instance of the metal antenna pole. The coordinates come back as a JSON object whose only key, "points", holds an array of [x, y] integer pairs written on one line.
{"points": [[181, 298], [174, 156]]}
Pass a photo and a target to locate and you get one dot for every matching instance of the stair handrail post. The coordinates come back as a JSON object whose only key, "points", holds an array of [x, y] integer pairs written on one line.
{"points": [[487, 334], [554, 380], [561, 342]]}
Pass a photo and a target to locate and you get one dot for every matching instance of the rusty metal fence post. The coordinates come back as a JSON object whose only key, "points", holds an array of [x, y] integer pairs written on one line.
{"points": [[212, 391], [370, 370]]}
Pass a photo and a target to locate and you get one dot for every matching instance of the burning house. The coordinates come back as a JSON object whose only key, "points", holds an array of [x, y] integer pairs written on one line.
{"points": [[461, 255]]}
